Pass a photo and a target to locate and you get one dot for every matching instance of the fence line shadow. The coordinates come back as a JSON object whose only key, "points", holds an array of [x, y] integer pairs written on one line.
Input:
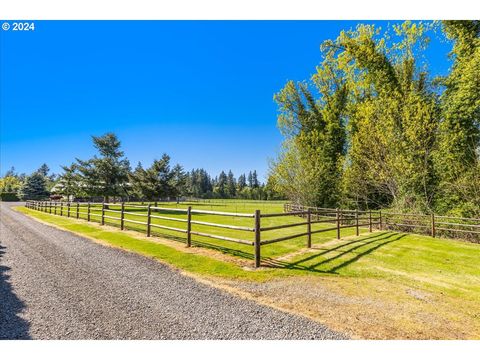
{"points": [[12, 326], [345, 252]]}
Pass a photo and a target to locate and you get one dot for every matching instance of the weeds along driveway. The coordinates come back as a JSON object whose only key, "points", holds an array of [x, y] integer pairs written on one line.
{"points": [[56, 285]]}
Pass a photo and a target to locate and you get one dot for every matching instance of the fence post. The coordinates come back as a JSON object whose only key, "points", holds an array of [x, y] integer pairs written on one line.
{"points": [[103, 213], [68, 209], [309, 228], [55, 207], [61, 208], [380, 219], [338, 222], [433, 225], [122, 216], [78, 209], [149, 219], [370, 220], [257, 238], [88, 211], [50, 206], [356, 221], [189, 226]]}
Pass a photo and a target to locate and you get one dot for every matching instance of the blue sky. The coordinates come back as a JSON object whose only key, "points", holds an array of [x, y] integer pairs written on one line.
{"points": [[200, 91]]}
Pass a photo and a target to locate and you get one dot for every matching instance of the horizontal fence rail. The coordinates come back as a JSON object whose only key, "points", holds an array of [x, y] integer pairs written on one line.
{"points": [[333, 220], [431, 224]]}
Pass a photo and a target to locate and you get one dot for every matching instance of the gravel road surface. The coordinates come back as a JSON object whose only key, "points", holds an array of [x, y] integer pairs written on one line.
{"points": [[56, 285]]}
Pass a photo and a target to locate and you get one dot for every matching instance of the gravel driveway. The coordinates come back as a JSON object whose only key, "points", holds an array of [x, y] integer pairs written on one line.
{"points": [[55, 285]]}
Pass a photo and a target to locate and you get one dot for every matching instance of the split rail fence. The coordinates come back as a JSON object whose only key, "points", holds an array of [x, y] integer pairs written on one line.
{"points": [[433, 225], [338, 219], [102, 212]]}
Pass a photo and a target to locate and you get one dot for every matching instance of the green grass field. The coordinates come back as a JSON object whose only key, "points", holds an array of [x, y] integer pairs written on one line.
{"points": [[379, 285]]}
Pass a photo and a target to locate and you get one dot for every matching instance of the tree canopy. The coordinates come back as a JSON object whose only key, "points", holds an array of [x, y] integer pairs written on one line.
{"points": [[373, 128]]}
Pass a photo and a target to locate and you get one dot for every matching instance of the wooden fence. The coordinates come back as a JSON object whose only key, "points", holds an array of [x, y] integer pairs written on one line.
{"points": [[433, 225], [117, 211]]}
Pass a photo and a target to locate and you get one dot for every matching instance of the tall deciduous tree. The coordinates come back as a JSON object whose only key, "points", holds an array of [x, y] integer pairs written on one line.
{"points": [[458, 157], [309, 167]]}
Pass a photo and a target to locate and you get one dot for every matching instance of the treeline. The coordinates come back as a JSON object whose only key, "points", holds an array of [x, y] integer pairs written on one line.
{"points": [[373, 128], [109, 174], [14, 186]]}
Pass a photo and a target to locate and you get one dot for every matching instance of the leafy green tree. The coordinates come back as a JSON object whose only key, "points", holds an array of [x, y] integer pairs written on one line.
{"points": [[459, 136], [310, 164], [10, 184]]}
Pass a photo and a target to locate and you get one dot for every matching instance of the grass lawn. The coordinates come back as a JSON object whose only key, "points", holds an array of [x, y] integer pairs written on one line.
{"points": [[377, 285]]}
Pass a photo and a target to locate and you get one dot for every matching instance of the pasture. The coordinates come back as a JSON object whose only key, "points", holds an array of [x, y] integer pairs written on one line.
{"points": [[207, 218], [382, 284]]}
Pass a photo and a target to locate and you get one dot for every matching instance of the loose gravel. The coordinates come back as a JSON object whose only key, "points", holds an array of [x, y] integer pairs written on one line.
{"points": [[56, 285]]}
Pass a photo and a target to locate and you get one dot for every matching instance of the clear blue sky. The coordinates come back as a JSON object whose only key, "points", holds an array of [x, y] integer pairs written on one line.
{"points": [[200, 91]]}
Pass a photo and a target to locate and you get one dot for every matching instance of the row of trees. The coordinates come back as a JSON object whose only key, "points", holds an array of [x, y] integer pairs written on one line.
{"points": [[109, 174], [373, 128], [14, 186]]}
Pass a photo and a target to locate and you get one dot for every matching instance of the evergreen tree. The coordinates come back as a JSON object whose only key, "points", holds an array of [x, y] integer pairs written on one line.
{"points": [[70, 182], [250, 179], [255, 183], [221, 185], [44, 170], [106, 175], [231, 187], [241, 183], [154, 183], [178, 182], [34, 187]]}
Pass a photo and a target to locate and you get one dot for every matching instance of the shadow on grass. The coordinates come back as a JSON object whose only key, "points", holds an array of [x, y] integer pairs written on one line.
{"points": [[12, 326], [344, 254]]}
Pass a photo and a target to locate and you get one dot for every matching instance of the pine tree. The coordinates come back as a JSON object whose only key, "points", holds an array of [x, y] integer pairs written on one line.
{"points": [[255, 183], [242, 182], [106, 175], [221, 185], [34, 187], [155, 182], [178, 182], [231, 187], [250, 179]]}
